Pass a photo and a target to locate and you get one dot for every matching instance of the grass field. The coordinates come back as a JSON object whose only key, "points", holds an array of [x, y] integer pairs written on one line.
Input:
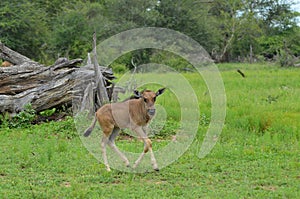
{"points": [[256, 156]]}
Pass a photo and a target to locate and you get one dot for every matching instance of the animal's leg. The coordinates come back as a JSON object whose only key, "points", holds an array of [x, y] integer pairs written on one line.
{"points": [[137, 162], [111, 143], [103, 146], [153, 160], [147, 147]]}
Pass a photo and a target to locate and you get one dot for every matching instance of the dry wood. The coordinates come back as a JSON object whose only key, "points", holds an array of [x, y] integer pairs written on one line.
{"points": [[13, 57], [46, 87], [102, 96]]}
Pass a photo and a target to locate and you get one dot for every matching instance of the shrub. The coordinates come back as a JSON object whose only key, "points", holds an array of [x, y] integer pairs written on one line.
{"points": [[22, 119], [119, 68]]}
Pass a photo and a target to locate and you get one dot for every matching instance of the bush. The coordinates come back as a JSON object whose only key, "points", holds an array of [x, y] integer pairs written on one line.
{"points": [[285, 59], [174, 61], [119, 68], [24, 118]]}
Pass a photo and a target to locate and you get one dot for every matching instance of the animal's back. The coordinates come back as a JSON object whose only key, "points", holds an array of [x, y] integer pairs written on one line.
{"points": [[127, 114], [115, 114]]}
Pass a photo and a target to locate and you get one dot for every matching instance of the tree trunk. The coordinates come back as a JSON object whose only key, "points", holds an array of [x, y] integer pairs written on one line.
{"points": [[251, 55], [45, 87], [13, 57]]}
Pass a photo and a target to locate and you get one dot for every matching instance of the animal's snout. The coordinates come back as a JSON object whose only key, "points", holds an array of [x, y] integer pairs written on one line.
{"points": [[151, 111]]}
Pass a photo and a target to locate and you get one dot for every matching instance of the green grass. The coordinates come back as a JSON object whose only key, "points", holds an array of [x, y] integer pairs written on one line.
{"points": [[257, 155]]}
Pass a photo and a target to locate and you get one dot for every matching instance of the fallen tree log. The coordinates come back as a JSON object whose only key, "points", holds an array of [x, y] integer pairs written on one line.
{"points": [[12, 56], [46, 87]]}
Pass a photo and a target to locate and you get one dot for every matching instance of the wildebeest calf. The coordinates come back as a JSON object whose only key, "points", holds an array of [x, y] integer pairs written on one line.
{"points": [[134, 114]]}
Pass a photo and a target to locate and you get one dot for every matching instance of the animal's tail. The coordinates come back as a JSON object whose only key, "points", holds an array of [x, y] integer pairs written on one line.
{"points": [[89, 130]]}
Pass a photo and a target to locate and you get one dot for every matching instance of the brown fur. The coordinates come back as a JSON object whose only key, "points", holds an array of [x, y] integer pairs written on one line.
{"points": [[134, 114], [6, 64]]}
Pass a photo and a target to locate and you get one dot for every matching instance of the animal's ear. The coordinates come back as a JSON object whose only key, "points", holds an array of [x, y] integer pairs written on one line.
{"points": [[137, 94], [160, 91]]}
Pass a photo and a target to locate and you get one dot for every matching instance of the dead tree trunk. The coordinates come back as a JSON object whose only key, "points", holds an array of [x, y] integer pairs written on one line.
{"points": [[251, 55], [102, 96], [13, 57], [44, 87]]}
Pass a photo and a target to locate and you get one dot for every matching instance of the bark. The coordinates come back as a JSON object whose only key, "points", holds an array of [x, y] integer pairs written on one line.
{"points": [[102, 96], [46, 87], [13, 57]]}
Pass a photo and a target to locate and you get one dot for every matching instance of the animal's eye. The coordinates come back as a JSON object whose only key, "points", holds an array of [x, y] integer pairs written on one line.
{"points": [[145, 100], [154, 99]]}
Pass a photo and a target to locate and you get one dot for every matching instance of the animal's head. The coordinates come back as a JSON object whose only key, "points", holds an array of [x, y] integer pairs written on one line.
{"points": [[149, 98]]}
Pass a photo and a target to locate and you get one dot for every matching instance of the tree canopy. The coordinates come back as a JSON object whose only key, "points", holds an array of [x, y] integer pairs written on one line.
{"points": [[45, 30]]}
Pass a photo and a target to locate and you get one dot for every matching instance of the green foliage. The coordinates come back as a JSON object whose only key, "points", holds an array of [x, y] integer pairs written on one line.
{"points": [[48, 112], [285, 59], [23, 27], [71, 34], [188, 17], [24, 118], [271, 44], [119, 68], [28, 116], [4, 120], [293, 41], [242, 24], [283, 47], [171, 60], [123, 61], [46, 30]]}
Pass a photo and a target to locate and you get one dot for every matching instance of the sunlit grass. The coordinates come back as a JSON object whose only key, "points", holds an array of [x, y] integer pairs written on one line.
{"points": [[256, 156]]}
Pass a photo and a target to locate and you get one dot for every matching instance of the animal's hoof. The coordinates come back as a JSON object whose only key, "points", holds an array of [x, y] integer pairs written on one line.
{"points": [[156, 169], [127, 164]]}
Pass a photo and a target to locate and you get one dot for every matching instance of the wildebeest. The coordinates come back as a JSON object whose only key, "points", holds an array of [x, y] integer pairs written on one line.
{"points": [[134, 114]]}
